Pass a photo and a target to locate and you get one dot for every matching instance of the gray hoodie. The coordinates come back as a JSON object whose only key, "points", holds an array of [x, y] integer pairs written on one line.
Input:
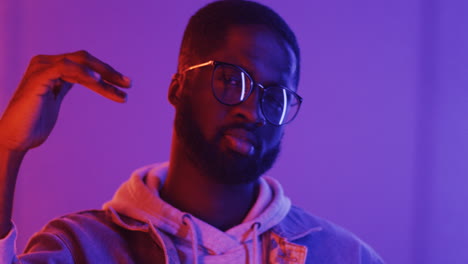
{"points": [[192, 238]]}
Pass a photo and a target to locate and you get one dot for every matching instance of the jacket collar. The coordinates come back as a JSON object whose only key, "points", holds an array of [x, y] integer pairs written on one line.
{"points": [[297, 224]]}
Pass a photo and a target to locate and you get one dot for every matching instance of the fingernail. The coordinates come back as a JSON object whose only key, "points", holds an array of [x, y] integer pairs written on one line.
{"points": [[126, 79]]}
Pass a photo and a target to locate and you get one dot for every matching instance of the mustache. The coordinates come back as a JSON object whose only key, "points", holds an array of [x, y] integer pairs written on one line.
{"points": [[248, 127], [252, 129]]}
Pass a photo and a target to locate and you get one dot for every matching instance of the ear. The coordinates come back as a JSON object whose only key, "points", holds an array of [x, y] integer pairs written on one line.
{"points": [[175, 89]]}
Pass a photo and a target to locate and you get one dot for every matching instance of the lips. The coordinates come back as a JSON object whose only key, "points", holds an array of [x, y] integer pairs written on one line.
{"points": [[241, 140]]}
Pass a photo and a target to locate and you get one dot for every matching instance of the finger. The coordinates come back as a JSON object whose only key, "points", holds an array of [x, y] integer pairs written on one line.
{"points": [[105, 71], [102, 70], [72, 72]]}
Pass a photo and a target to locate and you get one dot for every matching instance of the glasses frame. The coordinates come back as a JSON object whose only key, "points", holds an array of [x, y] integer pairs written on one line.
{"points": [[253, 84]]}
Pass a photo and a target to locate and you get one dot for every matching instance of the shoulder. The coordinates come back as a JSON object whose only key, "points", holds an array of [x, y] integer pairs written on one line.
{"points": [[95, 236], [73, 231], [93, 225], [65, 239], [75, 228], [325, 240], [80, 222]]}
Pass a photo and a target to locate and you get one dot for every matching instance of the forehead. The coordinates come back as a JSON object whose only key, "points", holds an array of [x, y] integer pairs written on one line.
{"points": [[267, 57]]}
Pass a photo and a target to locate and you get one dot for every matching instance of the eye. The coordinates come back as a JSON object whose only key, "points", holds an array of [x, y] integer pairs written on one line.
{"points": [[274, 101], [232, 80]]}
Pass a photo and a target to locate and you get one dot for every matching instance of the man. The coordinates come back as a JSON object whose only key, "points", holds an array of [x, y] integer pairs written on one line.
{"points": [[234, 92]]}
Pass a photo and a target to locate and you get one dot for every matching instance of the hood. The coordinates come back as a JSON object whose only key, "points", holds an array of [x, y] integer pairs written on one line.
{"points": [[138, 198]]}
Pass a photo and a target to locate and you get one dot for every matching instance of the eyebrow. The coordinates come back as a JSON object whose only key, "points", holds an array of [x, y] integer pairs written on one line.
{"points": [[285, 70]]}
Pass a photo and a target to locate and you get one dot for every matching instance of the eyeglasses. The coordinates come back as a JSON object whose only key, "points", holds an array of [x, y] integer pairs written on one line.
{"points": [[232, 85]]}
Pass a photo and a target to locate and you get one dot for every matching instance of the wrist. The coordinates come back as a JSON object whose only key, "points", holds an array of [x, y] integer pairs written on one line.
{"points": [[9, 154]]}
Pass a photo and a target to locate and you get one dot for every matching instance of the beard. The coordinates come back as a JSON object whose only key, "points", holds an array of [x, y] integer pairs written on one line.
{"points": [[223, 167]]}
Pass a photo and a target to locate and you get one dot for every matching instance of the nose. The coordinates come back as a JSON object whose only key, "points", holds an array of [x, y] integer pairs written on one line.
{"points": [[250, 110]]}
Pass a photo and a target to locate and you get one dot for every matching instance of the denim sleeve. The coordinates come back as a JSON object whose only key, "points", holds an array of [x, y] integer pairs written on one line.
{"points": [[369, 256], [8, 247]]}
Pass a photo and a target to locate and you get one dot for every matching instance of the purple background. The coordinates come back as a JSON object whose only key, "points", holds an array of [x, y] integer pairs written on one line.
{"points": [[380, 146]]}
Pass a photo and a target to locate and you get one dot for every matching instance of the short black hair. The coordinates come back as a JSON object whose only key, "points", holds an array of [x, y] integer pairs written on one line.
{"points": [[206, 29]]}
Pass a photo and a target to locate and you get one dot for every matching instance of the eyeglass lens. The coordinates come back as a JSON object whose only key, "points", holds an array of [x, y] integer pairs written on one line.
{"points": [[231, 86]]}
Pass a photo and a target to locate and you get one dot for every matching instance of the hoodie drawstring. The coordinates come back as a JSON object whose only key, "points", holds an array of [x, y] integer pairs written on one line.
{"points": [[255, 228], [157, 237], [191, 225]]}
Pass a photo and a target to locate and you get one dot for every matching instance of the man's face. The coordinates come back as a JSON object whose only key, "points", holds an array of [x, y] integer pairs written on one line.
{"points": [[235, 144]]}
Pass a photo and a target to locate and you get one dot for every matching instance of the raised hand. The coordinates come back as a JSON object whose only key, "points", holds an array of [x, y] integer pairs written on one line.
{"points": [[34, 107]]}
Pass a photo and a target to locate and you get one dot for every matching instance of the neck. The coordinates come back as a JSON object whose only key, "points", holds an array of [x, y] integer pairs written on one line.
{"points": [[190, 190]]}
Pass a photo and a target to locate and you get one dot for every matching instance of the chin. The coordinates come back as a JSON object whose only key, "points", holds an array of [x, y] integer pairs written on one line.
{"points": [[229, 167]]}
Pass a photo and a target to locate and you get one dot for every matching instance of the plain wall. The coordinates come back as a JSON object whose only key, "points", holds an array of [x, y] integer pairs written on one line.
{"points": [[358, 154], [440, 187]]}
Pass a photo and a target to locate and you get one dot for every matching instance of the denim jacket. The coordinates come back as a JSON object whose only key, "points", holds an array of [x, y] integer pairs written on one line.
{"points": [[104, 236]]}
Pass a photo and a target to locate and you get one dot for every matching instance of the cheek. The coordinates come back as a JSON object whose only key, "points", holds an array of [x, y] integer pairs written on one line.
{"points": [[208, 113], [271, 136]]}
